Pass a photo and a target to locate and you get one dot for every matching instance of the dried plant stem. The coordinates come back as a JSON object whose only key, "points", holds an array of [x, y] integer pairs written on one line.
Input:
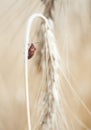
{"points": [[49, 5], [27, 41]]}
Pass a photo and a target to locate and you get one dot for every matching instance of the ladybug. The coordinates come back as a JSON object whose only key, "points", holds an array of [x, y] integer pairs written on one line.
{"points": [[31, 51]]}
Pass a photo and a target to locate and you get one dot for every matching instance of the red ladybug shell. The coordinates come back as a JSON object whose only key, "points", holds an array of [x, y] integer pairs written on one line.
{"points": [[31, 51]]}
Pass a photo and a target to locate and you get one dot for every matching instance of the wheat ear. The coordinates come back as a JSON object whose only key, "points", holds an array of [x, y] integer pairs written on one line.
{"points": [[51, 98], [27, 41]]}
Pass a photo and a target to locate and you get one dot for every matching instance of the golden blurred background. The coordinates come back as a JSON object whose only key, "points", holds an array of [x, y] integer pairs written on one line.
{"points": [[72, 23]]}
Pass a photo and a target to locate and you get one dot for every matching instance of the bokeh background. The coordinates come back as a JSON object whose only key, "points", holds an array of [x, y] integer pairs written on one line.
{"points": [[72, 25]]}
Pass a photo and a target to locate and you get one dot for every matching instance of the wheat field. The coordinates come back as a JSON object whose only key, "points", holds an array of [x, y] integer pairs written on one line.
{"points": [[72, 29]]}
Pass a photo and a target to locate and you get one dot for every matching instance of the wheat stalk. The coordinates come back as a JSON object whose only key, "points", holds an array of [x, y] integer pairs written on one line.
{"points": [[27, 41], [49, 5]]}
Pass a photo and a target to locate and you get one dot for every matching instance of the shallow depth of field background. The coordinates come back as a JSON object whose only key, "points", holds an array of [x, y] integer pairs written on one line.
{"points": [[72, 22]]}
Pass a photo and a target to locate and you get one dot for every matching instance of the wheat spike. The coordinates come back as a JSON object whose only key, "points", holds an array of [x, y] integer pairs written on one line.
{"points": [[51, 63], [51, 60]]}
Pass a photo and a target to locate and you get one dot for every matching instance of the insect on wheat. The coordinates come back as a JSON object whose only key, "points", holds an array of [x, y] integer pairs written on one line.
{"points": [[31, 51]]}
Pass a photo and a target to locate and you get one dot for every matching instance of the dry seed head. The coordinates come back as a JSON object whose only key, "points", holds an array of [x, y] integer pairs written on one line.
{"points": [[51, 61]]}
